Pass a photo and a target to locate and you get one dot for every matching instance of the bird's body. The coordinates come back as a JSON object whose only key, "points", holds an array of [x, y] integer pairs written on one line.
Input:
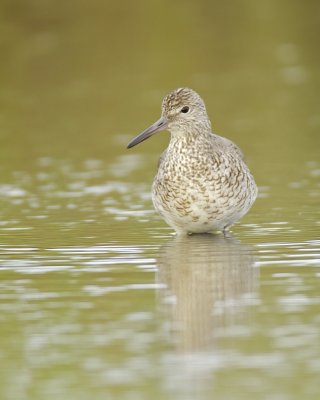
{"points": [[202, 183]]}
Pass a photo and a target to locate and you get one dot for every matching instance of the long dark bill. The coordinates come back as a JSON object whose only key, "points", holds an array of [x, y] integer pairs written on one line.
{"points": [[158, 126]]}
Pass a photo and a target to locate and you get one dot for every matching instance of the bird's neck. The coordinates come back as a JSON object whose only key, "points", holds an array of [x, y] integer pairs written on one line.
{"points": [[190, 135]]}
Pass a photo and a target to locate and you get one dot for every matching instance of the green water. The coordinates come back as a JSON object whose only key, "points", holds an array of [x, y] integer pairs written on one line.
{"points": [[98, 300]]}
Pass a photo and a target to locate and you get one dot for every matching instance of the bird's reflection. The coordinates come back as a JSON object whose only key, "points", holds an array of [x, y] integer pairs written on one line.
{"points": [[206, 278]]}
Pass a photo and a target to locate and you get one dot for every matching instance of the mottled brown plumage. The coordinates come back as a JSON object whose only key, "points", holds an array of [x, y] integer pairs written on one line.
{"points": [[202, 183]]}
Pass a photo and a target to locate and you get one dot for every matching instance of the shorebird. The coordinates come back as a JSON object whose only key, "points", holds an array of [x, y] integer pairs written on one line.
{"points": [[203, 183]]}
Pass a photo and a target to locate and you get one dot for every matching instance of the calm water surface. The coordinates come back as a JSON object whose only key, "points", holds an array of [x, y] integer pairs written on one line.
{"points": [[98, 299]]}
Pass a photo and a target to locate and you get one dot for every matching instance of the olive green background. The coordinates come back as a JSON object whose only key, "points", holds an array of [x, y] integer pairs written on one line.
{"points": [[97, 298]]}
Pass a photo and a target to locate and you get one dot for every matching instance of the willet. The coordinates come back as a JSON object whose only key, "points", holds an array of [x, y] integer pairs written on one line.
{"points": [[203, 183]]}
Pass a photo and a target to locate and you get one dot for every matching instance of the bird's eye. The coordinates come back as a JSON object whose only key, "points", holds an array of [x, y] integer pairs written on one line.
{"points": [[185, 109]]}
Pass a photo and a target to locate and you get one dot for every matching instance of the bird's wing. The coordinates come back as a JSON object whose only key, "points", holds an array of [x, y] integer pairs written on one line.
{"points": [[234, 148], [228, 144]]}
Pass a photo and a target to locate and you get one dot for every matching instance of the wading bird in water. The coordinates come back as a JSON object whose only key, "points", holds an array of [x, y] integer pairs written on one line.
{"points": [[203, 183]]}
